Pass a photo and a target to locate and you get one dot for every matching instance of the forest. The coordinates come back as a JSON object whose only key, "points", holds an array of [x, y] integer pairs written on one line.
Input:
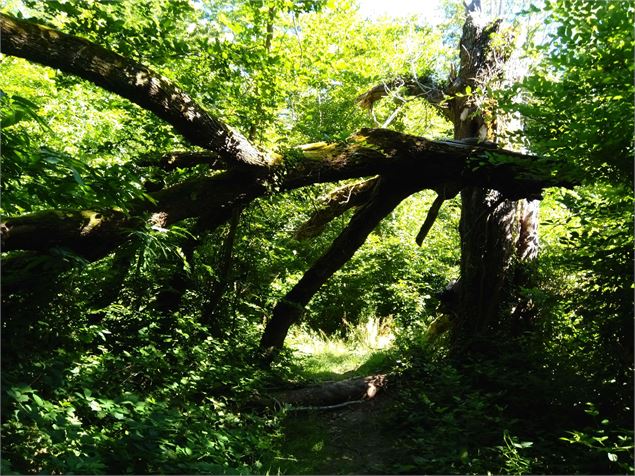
{"points": [[295, 237]]}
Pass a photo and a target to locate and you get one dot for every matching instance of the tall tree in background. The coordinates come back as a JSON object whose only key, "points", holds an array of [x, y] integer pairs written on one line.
{"points": [[496, 233]]}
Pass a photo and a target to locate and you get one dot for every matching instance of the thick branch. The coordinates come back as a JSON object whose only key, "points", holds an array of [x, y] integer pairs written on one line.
{"points": [[336, 203], [431, 217], [130, 80], [333, 393], [89, 233], [413, 162], [93, 234], [386, 196], [448, 192], [424, 87]]}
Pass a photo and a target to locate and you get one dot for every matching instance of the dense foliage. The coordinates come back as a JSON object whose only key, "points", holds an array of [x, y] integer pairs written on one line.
{"points": [[143, 361], [558, 398]]}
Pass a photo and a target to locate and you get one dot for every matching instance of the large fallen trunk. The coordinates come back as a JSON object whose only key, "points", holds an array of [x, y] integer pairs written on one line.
{"points": [[93, 234], [131, 80], [403, 164]]}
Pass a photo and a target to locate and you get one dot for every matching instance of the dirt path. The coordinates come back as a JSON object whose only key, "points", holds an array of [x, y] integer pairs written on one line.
{"points": [[356, 439]]}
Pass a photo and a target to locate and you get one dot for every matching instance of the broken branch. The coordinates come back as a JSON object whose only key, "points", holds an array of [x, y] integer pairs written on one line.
{"points": [[337, 202]]}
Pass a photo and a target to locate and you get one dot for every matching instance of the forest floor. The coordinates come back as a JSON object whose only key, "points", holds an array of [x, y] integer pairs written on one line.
{"points": [[354, 439]]}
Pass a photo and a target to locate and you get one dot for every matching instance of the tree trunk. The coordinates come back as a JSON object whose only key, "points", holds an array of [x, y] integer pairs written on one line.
{"points": [[289, 310], [487, 229], [496, 233], [328, 394], [209, 312], [488, 221]]}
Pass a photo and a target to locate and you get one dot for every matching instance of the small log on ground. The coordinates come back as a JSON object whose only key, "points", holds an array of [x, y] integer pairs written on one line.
{"points": [[333, 393]]}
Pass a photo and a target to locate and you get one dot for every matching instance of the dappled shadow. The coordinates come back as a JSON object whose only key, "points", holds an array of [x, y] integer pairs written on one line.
{"points": [[353, 439], [350, 440], [330, 365]]}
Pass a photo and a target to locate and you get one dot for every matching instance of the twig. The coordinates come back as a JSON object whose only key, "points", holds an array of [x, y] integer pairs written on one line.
{"points": [[326, 407]]}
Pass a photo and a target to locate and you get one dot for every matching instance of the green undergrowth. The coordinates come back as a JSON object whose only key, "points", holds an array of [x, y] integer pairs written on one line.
{"points": [[126, 391], [514, 407], [365, 349], [346, 440]]}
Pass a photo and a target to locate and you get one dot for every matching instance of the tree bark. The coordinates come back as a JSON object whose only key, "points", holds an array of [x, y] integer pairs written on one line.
{"points": [[94, 234], [333, 393], [489, 225], [130, 80], [386, 196], [488, 221], [487, 228], [336, 204], [209, 312]]}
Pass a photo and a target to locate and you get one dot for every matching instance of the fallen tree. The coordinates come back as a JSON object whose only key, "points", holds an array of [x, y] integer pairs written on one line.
{"points": [[327, 395], [395, 164]]}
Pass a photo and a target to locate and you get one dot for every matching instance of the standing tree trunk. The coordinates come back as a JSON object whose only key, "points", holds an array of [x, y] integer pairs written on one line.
{"points": [[496, 234], [210, 310]]}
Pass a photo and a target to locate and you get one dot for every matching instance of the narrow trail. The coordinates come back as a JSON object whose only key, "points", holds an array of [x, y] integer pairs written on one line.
{"points": [[355, 439]]}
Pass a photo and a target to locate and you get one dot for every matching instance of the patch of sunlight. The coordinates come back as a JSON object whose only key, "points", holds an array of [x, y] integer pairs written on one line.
{"points": [[323, 357], [319, 446]]}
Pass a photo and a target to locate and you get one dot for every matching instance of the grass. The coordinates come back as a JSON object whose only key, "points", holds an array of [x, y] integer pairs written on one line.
{"points": [[364, 350], [348, 441]]}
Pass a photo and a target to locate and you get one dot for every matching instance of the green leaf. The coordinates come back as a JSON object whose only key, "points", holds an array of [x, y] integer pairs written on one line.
{"points": [[38, 401], [76, 176]]}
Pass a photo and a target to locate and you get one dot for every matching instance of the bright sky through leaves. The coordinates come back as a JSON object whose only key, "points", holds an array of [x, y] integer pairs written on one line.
{"points": [[429, 9]]}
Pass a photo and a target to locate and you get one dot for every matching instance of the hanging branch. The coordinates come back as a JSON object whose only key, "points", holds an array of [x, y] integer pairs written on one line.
{"points": [[424, 87], [446, 193]]}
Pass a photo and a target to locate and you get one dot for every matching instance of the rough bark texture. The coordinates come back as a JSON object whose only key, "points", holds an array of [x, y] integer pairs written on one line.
{"points": [[371, 152], [130, 80], [497, 233], [493, 234], [488, 224], [528, 243], [487, 227], [89, 233], [333, 393], [335, 204], [386, 196]]}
